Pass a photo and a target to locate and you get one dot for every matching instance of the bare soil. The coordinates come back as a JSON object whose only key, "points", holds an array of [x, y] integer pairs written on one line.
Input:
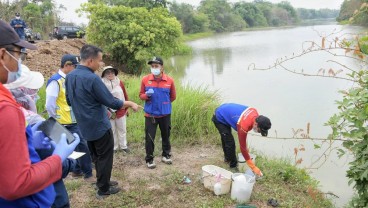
{"points": [[46, 59]]}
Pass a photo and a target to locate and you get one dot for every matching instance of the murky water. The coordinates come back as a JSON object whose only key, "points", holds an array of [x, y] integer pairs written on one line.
{"points": [[291, 101]]}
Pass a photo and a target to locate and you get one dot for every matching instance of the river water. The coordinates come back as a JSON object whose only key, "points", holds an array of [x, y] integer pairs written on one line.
{"points": [[291, 101]]}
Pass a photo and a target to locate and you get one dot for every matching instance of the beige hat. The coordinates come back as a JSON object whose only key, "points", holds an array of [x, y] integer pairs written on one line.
{"points": [[29, 79]]}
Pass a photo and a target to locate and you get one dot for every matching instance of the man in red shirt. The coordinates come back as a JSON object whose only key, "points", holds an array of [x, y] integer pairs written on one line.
{"points": [[242, 119], [25, 180], [158, 92]]}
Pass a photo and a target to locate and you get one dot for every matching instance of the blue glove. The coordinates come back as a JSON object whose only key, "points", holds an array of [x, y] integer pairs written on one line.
{"points": [[39, 139], [149, 92], [63, 149]]}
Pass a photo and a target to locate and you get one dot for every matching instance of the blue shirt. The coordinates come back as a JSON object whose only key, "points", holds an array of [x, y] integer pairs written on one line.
{"points": [[229, 114], [89, 96], [19, 30]]}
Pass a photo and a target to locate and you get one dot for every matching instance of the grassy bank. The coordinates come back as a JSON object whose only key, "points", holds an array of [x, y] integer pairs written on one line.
{"points": [[195, 143]]}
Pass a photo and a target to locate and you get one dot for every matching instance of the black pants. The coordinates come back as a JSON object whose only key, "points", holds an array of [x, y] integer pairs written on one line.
{"points": [[227, 140], [151, 126], [102, 153]]}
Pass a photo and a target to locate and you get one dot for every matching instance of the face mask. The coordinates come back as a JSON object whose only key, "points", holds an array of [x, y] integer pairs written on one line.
{"points": [[156, 71], [12, 76], [17, 17]]}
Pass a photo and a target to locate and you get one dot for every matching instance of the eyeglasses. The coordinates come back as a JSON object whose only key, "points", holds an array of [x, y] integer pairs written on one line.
{"points": [[20, 52]]}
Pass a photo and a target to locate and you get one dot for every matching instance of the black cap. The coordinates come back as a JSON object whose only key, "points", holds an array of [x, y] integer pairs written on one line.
{"points": [[72, 59], [264, 124], [156, 60], [109, 68], [17, 14], [8, 36]]}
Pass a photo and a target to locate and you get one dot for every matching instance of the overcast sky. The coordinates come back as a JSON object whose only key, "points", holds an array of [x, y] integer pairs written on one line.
{"points": [[72, 5]]}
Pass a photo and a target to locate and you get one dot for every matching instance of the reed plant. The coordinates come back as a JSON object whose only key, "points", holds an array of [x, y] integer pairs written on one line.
{"points": [[191, 114]]}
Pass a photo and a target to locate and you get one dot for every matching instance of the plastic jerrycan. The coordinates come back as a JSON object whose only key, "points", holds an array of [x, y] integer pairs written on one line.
{"points": [[242, 186]]}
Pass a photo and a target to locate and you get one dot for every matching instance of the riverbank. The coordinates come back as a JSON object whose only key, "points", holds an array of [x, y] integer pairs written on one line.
{"points": [[163, 187]]}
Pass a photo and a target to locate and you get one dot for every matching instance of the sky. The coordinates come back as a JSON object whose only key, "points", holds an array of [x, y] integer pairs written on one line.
{"points": [[70, 15]]}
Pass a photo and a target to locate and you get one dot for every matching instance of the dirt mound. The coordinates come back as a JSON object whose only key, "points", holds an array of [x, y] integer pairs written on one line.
{"points": [[47, 58]]}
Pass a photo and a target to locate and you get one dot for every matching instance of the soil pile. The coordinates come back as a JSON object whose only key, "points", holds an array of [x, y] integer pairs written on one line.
{"points": [[46, 59]]}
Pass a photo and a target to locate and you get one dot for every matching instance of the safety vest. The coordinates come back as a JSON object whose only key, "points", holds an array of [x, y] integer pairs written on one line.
{"points": [[64, 112]]}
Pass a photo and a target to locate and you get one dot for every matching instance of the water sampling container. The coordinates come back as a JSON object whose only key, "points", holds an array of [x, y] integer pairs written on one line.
{"points": [[242, 186], [212, 174], [242, 164]]}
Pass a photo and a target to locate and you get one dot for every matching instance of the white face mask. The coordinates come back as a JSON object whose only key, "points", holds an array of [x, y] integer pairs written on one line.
{"points": [[156, 71], [12, 76], [17, 17]]}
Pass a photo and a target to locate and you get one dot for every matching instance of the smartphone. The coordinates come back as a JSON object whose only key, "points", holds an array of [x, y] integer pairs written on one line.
{"points": [[53, 129]]}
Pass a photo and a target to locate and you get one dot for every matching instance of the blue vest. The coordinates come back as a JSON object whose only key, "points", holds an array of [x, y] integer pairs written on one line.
{"points": [[42, 199]]}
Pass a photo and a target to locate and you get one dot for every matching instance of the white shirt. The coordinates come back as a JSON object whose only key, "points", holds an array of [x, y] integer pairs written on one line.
{"points": [[52, 92]]}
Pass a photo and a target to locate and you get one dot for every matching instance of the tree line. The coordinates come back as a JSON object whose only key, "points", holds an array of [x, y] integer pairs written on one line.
{"points": [[354, 12]]}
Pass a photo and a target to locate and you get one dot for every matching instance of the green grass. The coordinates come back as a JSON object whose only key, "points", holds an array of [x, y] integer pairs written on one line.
{"points": [[195, 36], [193, 136]]}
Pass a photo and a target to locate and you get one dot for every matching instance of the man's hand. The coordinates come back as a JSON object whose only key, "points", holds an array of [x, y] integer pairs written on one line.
{"points": [[254, 168], [150, 92], [39, 139], [131, 104]]}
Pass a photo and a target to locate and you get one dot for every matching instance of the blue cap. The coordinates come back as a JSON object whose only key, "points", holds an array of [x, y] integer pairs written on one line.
{"points": [[72, 59]]}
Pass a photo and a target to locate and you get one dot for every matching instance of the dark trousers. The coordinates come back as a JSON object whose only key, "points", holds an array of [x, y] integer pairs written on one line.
{"points": [[102, 152], [84, 164], [150, 130], [61, 198], [227, 140]]}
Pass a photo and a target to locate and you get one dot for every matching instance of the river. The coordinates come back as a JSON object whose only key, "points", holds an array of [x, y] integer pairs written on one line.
{"points": [[291, 101]]}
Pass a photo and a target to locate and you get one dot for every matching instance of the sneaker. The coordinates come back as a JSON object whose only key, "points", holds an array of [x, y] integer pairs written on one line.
{"points": [[151, 165], [77, 175], [112, 190], [167, 160], [127, 150]]}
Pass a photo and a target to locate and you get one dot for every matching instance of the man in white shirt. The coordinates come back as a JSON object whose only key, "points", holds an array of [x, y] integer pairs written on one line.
{"points": [[58, 108]]}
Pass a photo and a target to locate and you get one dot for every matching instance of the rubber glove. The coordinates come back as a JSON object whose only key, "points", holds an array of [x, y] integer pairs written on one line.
{"points": [[63, 149], [39, 139], [149, 92], [254, 168]]}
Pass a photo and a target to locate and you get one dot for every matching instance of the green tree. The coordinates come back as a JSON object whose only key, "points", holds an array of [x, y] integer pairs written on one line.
{"points": [[348, 8], [191, 20], [221, 16], [133, 3], [351, 123], [130, 36], [251, 14]]}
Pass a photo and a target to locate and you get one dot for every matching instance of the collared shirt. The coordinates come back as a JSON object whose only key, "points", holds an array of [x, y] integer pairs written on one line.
{"points": [[241, 118], [89, 97]]}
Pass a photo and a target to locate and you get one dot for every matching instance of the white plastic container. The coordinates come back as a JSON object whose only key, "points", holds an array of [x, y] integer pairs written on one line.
{"points": [[242, 186], [210, 173], [242, 164]]}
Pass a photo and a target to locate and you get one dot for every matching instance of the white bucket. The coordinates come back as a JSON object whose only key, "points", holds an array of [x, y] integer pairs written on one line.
{"points": [[242, 165], [210, 174], [242, 186]]}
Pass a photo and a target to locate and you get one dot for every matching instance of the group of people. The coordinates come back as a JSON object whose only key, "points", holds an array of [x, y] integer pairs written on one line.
{"points": [[94, 109]]}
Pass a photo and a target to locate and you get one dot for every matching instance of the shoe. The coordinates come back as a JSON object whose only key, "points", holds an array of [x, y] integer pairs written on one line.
{"points": [[112, 190], [77, 175], [167, 160], [90, 179], [127, 150], [151, 164], [111, 183]]}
